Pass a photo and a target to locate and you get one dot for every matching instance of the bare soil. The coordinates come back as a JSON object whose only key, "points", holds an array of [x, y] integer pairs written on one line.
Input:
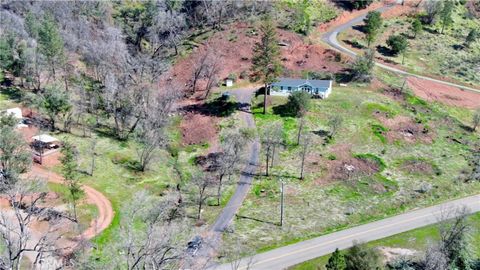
{"points": [[406, 129], [417, 166], [449, 95], [198, 128]]}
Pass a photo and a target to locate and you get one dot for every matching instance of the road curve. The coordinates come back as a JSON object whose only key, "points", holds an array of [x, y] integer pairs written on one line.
{"points": [[105, 210], [287, 256], [331, 39], [243, 96]]}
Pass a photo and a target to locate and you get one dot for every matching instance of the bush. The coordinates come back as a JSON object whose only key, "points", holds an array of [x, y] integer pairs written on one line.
{"points": [[363, 66], [299, 103], [397, 43], [360, 257]]}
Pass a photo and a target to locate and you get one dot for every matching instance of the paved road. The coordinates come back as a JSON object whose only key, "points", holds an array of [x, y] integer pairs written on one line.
{"points": [[331, 39], [303, 251], [243, 96]]}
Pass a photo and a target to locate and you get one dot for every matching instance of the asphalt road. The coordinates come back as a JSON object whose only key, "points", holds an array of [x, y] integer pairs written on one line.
{"points": [[331, 39], [242, 96], [287, 256]]}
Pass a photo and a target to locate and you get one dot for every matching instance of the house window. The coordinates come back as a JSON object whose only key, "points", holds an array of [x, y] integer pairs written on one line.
{"points": [[289, 88], [281, 87]]}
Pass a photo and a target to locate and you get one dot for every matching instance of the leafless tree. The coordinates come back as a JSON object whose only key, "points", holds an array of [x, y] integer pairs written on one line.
{"points": [[151, 132], [199, 69], [201, 185], [272, 137], [435, 259], [152, 234], [432, 8], [211, 71], [233, 144], [334, 123], [15, 228], [305, 143], [301, 125]]}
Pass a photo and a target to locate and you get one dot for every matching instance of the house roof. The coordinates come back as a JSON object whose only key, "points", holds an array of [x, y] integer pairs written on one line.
{"points": [[298, 82], [45, 138]]}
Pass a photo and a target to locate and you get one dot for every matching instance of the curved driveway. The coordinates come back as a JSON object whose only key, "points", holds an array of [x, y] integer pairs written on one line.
{"points": [[331, 39]]}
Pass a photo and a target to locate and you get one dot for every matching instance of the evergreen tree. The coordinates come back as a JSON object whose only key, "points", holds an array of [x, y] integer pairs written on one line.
{"points": [[70, 174], [472, 37], [50, 43], [360, 257], [336, 261], [373, 25], [398, 44], [417, 27], [55, 102], [446, 13], [266, 57]]}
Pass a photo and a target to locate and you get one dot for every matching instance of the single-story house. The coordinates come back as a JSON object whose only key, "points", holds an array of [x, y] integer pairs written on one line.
{"points": [[285, 86]]}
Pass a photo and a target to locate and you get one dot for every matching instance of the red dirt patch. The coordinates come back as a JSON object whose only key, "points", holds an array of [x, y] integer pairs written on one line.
{"points": [[351, 168], [449, 95], [406, 129], [234, 54], [197, 129], [418, 166]]}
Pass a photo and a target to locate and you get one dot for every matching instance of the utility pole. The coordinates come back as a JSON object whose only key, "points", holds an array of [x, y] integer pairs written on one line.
{"points": [[281, 204]]}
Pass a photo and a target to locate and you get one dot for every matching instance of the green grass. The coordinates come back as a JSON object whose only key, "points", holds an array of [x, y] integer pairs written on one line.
{"points": [[318, 204], [417, 239]]}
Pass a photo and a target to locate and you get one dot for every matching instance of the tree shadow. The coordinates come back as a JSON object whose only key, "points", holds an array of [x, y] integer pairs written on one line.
{"points": [[220, 107], [344, 76], [256, 219], [346, 5], [458, 47], [12, 93], [360, 28], [385, 51], [321, 133], [354, 44], [284, 110], [261, 91], [466, 128]]}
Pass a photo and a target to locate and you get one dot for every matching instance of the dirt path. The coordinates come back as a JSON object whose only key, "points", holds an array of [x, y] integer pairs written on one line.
{"points": [[105, 210]]}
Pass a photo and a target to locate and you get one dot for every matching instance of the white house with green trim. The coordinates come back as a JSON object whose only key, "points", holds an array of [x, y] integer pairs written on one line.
{"points": [[285, 86]]}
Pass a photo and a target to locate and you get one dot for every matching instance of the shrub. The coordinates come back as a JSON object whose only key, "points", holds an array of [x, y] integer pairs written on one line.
{"points": [[397, 43], [299, 103]]}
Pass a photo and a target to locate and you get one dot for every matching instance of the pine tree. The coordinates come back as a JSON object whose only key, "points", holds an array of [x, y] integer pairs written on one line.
{"points": [[266, 57], [446, 14], [417, 27], [336, 261], [50, 43], [70, 174], [373, 25]]}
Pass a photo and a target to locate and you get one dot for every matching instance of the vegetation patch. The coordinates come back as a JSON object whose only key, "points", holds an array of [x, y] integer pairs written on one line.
{"points": [[380, 132], [420, 166]]}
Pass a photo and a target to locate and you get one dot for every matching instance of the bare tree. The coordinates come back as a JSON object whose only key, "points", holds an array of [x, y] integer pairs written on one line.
{"points": [[272, 136], [212, 68], [152, 233], [233, 143], [151, 132], [201, 184], [199, 69], [15, 231], [304, 148], [334, 123]]}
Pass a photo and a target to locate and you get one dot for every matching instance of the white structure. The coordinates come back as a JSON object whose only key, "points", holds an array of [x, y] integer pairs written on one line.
{"points": [[285, 86], [228, 82], [45, 138], [15, 112]]}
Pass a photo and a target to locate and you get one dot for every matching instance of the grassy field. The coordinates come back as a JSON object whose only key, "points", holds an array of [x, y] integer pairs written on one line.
{"points": [[417, 239], [430, 53], [413, 140]]}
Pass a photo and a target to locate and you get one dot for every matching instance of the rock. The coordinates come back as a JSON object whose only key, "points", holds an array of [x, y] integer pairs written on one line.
{"points": [[424, 188]]}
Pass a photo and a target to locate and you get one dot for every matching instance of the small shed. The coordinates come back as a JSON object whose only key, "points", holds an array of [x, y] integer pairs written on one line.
{"points": [[229, 82], [45, 142]]}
